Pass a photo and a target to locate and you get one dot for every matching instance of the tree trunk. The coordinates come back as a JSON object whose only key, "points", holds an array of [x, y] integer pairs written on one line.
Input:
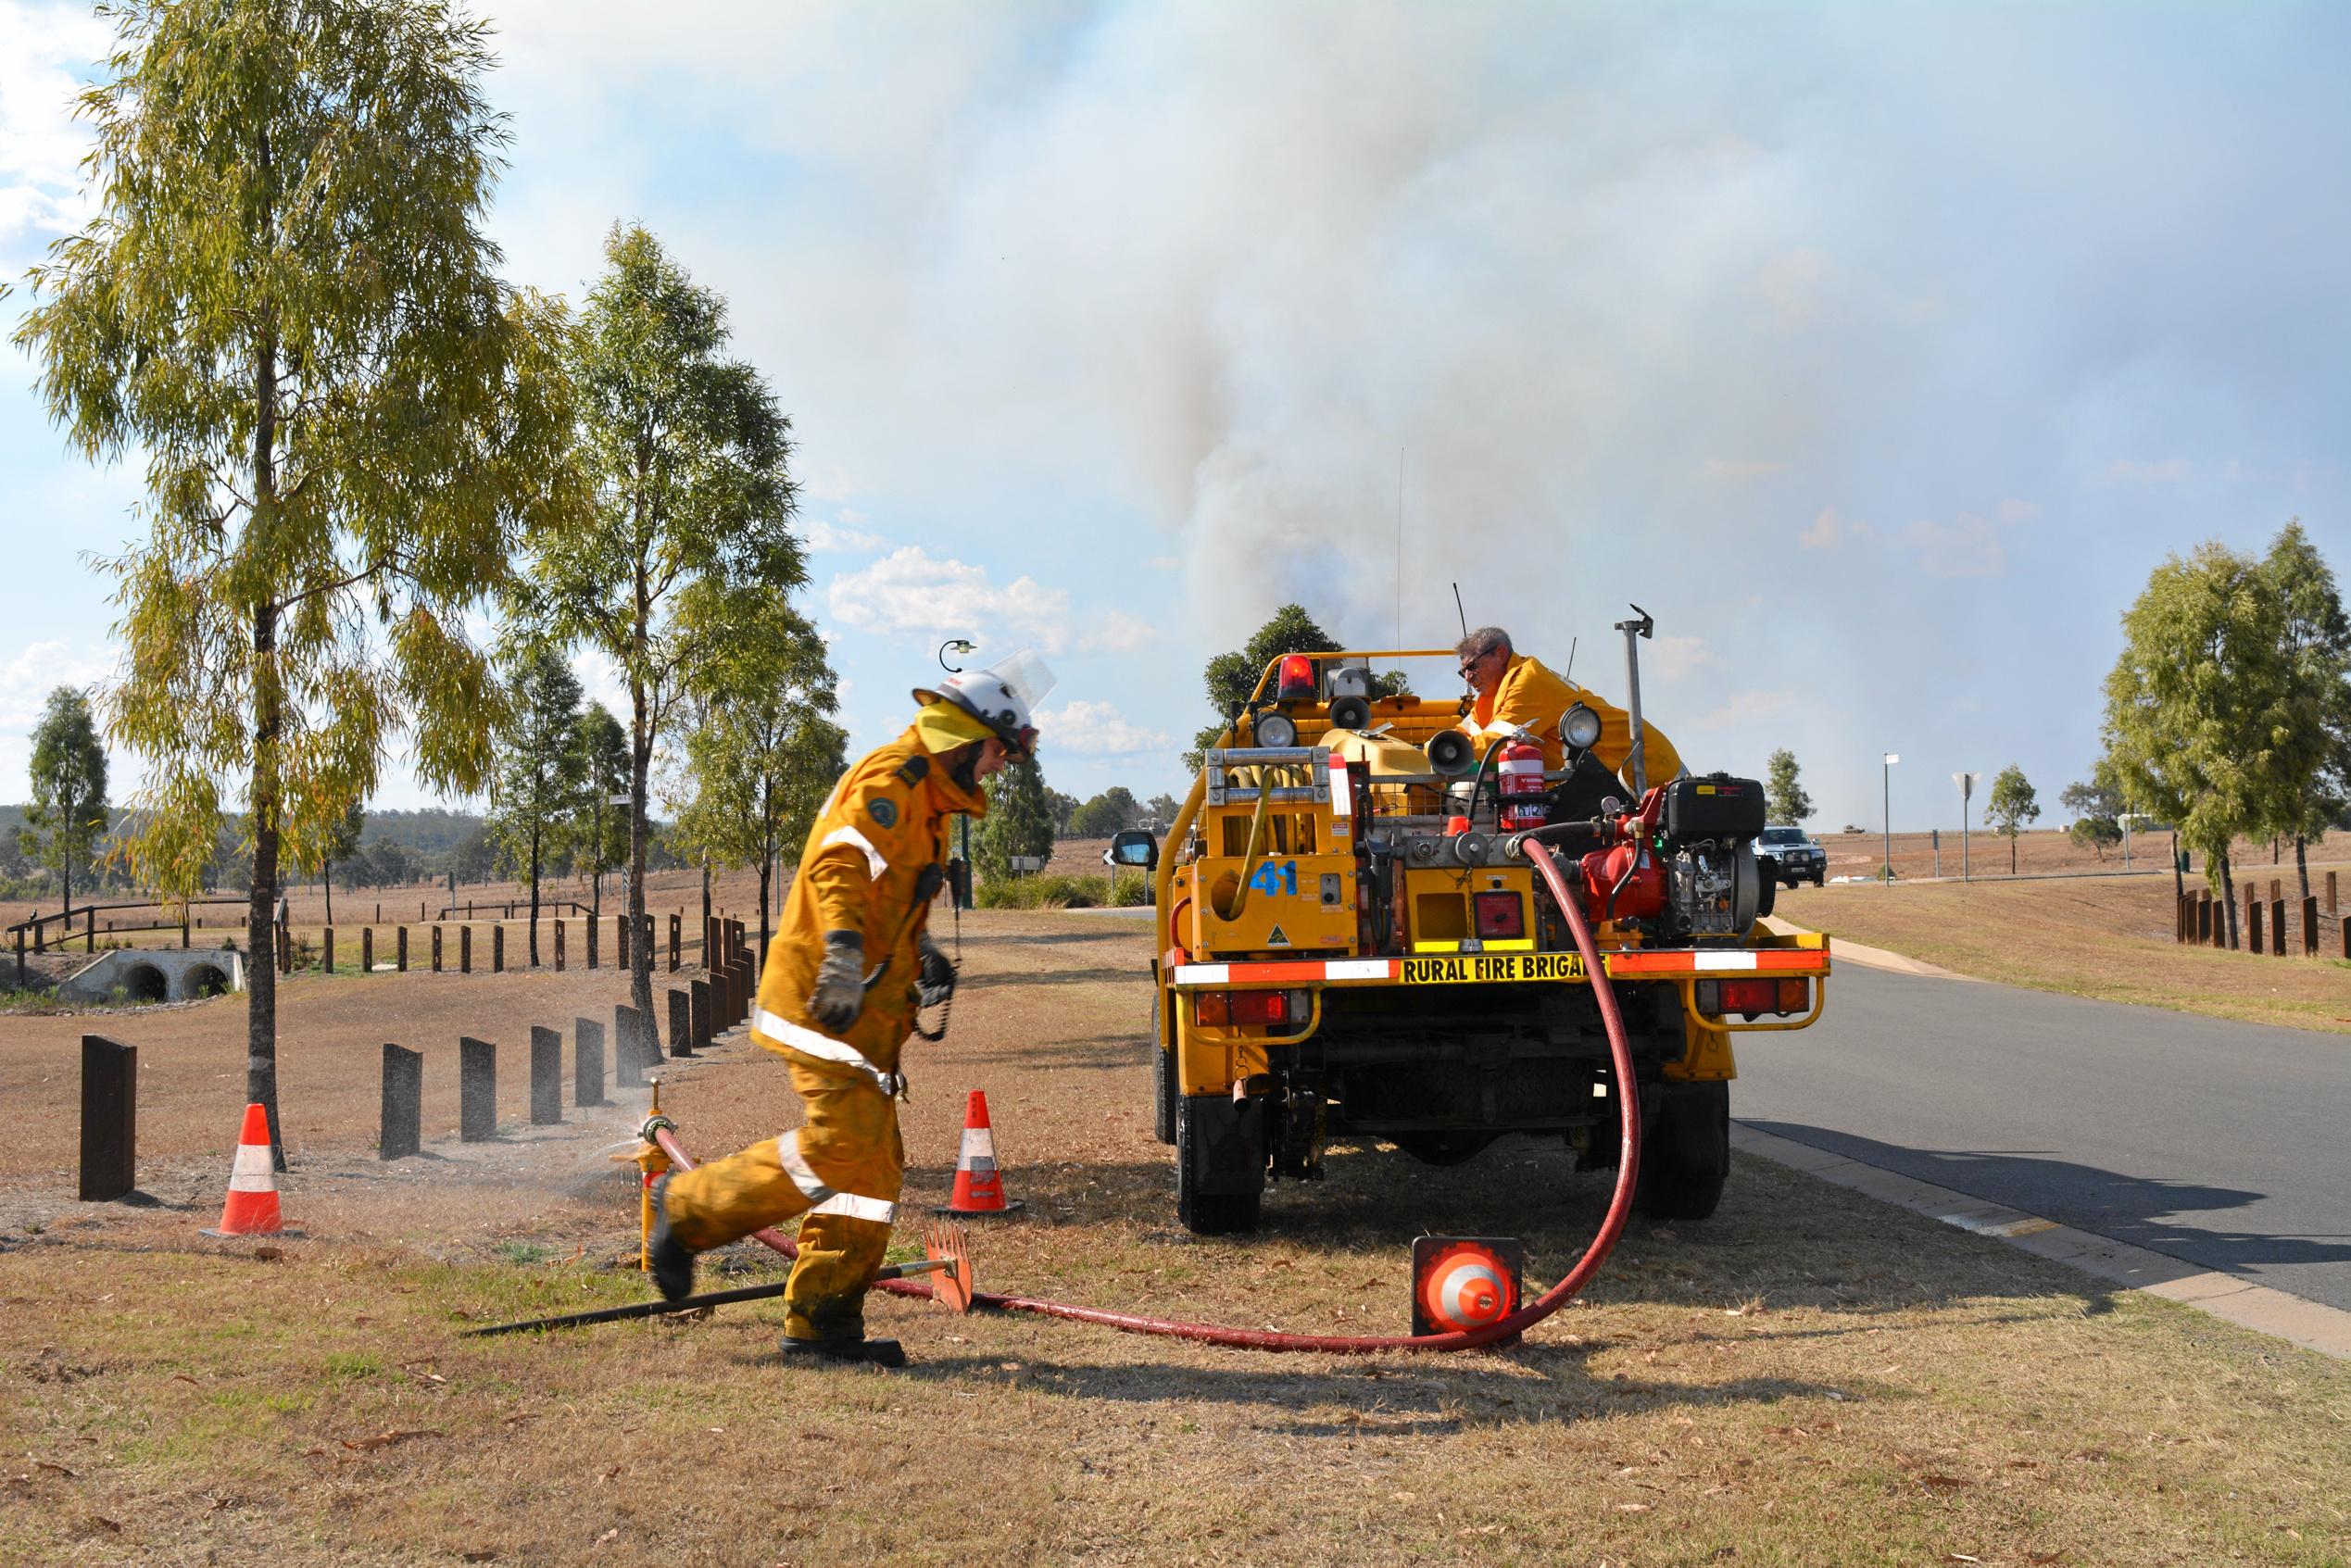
{"points": [[706, 892], [269, 725], [2228, 892], [640, 950], [2012, 854], [535, 896], [326, 881], [2302, 862], [2179, 879]]}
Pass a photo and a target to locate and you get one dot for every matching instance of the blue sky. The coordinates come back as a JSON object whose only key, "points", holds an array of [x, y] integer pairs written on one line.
{"points": [[1879, 351]]}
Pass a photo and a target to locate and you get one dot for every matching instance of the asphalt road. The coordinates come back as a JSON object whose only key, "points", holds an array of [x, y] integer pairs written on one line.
{"points": [[2224, 1145]]}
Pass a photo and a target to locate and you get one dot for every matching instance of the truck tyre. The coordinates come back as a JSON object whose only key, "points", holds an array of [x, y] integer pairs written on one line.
{"points": [[1686, 1155], [1163, 1093], [1220, 1165], [1766, 896]]}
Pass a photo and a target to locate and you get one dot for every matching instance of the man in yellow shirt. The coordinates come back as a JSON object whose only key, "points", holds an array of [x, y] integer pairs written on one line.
{"points": [[1514, 691]]}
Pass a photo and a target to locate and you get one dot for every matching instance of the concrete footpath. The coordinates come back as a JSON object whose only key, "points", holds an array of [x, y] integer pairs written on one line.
{"points": [[2311, 1323]]}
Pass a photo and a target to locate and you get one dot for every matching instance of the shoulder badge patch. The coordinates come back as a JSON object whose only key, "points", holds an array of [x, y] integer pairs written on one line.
{"points": [[914, 771], [883, 810]]}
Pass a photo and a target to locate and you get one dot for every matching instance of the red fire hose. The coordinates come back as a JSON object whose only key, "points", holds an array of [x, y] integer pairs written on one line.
{"points": [[1503, 1329]]}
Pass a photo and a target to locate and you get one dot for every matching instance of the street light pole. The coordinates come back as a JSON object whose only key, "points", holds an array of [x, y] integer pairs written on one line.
{"points": [[1967, 783], [1886, 774]]}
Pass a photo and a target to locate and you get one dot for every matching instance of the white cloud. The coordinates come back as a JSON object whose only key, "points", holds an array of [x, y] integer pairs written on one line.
{"points": [[1970, 546], [1118, 632], [908, 590], [27, 680], [2132, 470], [600, 677], [44, 49], [844, 535], [2016, 511], [1095, 729], [1744, 708], [1675, 657], [1830, 529]]}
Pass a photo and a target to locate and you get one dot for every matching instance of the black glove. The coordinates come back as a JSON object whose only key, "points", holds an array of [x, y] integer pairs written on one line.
{"points": [[839, 995], [937, 975]]}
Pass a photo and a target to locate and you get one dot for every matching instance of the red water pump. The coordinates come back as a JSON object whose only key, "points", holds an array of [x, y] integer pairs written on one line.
{"points": [[1526, 801]]}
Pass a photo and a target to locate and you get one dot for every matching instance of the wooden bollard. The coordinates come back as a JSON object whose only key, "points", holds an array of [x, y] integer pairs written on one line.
{"points": [[546, 1076], [2253, 923], [497, 949], [619, 943], [436, 949], [109, 1120], [677, 930], [477, 1090], [2277, 923], [2310, 927], [2332, 907], [558, 947], [628, 1067], [699, 992], [400, 950], [400, 1132], [326, 951], [680, 1024], [367, 949], [588, 1062], [465, 949]]}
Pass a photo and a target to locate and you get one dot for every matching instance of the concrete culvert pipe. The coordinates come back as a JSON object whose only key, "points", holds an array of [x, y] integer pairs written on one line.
{"points": [[204, 981], [145, 982]]}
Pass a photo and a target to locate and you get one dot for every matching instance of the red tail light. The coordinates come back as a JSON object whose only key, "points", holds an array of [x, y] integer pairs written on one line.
{"points": [[1498, 915], [1297, 679], [1218, 1010], [1717, 997]]}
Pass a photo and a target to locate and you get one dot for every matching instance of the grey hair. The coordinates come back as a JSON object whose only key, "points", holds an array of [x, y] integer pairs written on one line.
{"points": [[1483, 641]]}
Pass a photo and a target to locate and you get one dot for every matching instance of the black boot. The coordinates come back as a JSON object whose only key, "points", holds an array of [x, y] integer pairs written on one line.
{"points": [[843, 1352], [672, 1263]]}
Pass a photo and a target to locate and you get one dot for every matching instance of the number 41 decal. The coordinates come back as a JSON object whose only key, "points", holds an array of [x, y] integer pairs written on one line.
{"points": [[1272, 879]]}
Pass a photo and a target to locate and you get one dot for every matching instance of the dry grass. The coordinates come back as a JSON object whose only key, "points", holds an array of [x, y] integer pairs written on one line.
{"points": [[1808, 1378], [2107, 937]]}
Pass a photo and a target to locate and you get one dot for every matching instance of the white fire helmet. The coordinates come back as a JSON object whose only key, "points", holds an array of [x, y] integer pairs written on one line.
{"points": [[1003, 697]]}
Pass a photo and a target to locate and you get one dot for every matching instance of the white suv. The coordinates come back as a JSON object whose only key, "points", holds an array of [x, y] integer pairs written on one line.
{"points": [[1793, 857]]}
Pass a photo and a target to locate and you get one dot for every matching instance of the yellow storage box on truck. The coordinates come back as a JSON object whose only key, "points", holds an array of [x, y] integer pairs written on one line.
{"points": [[1354, 945]]}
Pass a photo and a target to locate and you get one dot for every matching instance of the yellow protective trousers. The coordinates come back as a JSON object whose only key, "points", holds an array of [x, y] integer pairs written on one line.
{"points": [[842, 1170]]}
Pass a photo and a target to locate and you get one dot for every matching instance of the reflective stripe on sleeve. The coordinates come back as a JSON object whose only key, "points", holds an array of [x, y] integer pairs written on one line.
{"points": [[803, 1174], [881, 1212], [846, 834], [808, 1042]]}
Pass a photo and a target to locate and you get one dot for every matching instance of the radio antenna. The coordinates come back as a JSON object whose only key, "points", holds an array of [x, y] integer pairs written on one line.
{"points": [[1462, 613], [1568, 672]]}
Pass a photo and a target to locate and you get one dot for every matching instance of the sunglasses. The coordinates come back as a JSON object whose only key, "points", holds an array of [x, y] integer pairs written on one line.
{"points": [[1474, 659]]}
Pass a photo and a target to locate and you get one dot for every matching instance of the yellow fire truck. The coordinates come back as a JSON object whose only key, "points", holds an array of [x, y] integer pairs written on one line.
{"points": [[1353, 944]]}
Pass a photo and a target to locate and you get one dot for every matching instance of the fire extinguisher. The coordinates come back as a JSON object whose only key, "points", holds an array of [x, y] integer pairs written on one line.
{"points": [[1525, 802]]}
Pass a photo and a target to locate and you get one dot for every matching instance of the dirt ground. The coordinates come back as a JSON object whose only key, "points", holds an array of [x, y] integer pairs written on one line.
{"points": [[1806, 1378]]}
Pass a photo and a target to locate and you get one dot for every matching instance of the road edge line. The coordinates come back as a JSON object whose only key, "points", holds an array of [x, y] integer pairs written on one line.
{"points": [[2312, 1324]]}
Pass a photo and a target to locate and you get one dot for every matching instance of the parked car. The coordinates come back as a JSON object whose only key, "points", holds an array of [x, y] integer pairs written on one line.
{"points": [[1794, 856]]}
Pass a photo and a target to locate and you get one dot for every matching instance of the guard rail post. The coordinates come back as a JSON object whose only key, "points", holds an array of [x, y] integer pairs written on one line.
{"points": [[402, 1117], [110, 1119]]}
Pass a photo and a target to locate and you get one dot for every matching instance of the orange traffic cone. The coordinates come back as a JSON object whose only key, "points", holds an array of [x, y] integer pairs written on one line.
{"points": [[979, 1187], [252, 1208]]}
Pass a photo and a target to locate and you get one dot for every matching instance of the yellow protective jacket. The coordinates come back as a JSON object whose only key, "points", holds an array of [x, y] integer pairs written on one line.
{"points": [[884, 826], [1529, 696]]}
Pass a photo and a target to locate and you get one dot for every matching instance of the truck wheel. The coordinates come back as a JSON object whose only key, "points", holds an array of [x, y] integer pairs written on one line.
{"points": [[1768, 896], [1819, 879], [1219, 1165], [1164, 1087], [1163, 1093], [1686, 1155]]}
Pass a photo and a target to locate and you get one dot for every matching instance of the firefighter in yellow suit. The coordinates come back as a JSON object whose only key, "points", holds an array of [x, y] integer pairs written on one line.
{"points": [[1514, 691], [843, 979]]}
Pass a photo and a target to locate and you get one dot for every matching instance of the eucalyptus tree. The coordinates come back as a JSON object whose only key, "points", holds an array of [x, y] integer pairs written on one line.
{"points": [[600, 833], [765, 753], [287, 308], [686, 450], [68, 815], [2310, 723], [535, 792], [2186, 705], [339, 845]]}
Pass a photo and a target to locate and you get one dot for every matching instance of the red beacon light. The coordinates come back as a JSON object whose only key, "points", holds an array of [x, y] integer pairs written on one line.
{"points": [[1296, 679]]}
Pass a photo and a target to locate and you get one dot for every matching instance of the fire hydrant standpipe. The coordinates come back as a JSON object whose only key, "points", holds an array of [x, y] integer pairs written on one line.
{"points": [[1501, 1331]]}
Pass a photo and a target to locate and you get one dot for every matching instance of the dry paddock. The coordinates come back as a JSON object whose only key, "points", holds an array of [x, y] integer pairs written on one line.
{"points": [[1806, 1378]]}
